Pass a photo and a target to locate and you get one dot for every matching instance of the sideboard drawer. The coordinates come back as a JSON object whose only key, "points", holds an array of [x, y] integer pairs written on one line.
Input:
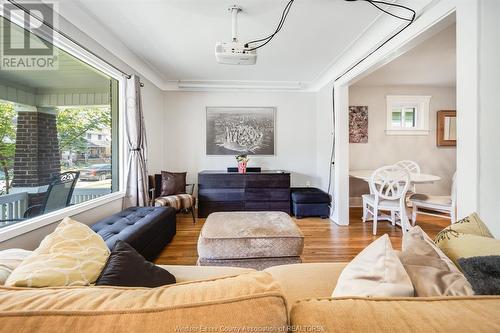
{"points": [[221, 194], [282, 206], [267, 194], [235, 180], [277, 180]]}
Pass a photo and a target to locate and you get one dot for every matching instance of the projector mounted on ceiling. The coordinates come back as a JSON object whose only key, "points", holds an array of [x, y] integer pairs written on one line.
{"points": [[235, 52]]}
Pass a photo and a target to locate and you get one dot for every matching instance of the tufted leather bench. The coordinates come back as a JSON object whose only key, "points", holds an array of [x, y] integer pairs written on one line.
{"points": [[147, 229], [310, 201]]}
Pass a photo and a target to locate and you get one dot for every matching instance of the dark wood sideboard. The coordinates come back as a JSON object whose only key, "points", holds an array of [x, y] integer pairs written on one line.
{"points": [[220, 191]]}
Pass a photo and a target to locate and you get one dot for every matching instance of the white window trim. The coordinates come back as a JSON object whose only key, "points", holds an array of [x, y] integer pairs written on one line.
{"points": [[23, 227], [422, 114], [75, 50]]}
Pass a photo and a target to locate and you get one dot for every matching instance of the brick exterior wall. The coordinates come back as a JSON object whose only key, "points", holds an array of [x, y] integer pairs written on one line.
{"points": [[37, 157]]}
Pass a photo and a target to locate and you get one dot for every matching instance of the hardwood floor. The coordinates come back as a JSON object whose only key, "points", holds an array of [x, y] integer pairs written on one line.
{"points": [[324, 240]]}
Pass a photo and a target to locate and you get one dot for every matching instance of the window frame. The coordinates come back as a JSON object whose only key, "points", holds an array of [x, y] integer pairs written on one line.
{"points": [[80, 53], [421, 105]]}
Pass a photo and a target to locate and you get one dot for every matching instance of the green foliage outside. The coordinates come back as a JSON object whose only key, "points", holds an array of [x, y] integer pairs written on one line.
{"points": [[7, 141], [74, 123]]}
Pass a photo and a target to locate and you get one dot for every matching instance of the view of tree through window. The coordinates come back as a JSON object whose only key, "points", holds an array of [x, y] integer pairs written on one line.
{"points": [[57, 138], [404, 117]]}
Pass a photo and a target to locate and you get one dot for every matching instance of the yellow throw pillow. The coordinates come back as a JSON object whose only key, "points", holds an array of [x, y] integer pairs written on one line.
{"points": [[73, 255], [458, 245], [470, 225]]}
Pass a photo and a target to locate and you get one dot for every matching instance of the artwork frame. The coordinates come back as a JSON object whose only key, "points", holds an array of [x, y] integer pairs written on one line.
{"points": [[358, 124], [446, 128], [240, 130]]}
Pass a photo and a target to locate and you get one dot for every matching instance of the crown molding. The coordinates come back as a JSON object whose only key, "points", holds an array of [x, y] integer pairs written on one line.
{"points": [[235, 85]]}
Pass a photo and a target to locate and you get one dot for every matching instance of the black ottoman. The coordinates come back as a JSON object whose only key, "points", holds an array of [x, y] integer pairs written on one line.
{"points": [[310, 201], [146, 229]]}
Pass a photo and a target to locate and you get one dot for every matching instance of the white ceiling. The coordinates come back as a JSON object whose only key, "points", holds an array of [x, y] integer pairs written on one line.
{"points": [[177, 37], [433, 62]]}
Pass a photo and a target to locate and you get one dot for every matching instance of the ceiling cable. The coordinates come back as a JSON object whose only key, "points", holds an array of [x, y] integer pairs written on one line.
{"points": [[267, 39], [410, 21]]}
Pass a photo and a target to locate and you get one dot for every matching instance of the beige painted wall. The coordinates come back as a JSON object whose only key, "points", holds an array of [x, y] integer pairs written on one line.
{"points": [[383, 149]]}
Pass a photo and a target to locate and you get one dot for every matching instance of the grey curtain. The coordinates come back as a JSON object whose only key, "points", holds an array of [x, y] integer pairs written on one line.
{"points": [[136, 172]]}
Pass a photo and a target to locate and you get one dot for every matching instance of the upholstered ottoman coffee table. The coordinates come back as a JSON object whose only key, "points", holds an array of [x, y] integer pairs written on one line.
{"points": [[249, 239]]}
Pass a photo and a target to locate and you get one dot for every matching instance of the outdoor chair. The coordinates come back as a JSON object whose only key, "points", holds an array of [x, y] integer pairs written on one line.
{"points": [[58, 196]]}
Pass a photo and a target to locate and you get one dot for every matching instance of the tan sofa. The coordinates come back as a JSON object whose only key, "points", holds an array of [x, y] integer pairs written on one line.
{"points": [[231, 299]]}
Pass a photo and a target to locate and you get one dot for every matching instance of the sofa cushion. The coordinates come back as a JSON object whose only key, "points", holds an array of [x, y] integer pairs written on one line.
{"points": [[9, 260], [375, 271], [178, 201], [250, 300], [309, 195], [304, 281], [127, 268], [416, 314], [430, 271], [184, 273], [72, 255], [146, 229]]}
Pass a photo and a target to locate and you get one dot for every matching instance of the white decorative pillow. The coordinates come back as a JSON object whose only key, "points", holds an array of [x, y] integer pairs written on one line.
{"points": [[73, 255], [375, 271], [9, 260]]}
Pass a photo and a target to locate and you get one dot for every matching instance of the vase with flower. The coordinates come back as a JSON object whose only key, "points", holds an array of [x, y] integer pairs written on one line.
{"points": [[242, 163]]}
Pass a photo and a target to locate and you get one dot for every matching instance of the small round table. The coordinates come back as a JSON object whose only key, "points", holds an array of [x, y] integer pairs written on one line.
{"points": [[415, 178]]}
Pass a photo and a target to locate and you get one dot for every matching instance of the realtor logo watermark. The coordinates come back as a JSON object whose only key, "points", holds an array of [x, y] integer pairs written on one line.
{"points": [[27, 36]]}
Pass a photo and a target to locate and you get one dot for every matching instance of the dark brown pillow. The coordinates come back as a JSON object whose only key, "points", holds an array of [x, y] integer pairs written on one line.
{"points": [[127, 268], [172, 183]]}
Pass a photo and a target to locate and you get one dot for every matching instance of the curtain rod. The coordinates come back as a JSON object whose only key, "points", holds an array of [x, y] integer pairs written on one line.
{"points": [[21, 7]]}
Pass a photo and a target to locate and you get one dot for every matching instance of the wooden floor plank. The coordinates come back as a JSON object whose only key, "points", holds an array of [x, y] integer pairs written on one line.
{"points": [[324, 240]]}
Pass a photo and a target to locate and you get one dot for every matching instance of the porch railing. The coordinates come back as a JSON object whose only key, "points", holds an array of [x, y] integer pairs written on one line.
{"points": [[85, 194], [13, 206]]}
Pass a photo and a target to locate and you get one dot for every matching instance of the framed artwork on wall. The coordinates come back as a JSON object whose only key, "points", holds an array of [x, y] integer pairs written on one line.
{"points": [[240, 130], [358, 124], [446, 128]]}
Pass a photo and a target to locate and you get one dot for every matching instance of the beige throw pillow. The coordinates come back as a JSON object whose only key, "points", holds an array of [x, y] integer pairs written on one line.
{"points": [[9, 260], [430, 271], [375, 271], [73, 255]]}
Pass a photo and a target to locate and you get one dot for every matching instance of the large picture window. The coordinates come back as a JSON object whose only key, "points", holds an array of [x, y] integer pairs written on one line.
{"points": [[58, 136]]}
